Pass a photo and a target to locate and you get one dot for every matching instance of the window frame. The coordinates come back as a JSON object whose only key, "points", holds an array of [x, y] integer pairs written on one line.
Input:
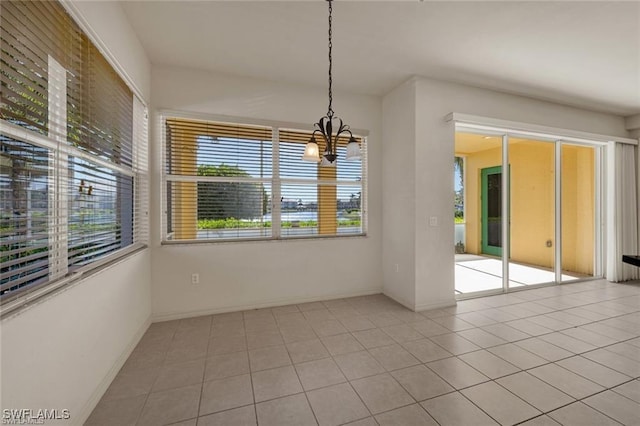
{"points": [[275, 180], [59, 152]]}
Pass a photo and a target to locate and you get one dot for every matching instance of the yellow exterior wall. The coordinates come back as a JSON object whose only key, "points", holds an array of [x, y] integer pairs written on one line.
{"points": [[533, 202]]}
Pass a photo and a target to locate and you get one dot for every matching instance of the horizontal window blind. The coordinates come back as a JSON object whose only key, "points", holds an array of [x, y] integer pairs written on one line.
{"points": [[74, 187], [221, 180], [24, 214]]}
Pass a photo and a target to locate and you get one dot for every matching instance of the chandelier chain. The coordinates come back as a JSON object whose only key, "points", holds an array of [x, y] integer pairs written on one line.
{"points": [[330, 110]]}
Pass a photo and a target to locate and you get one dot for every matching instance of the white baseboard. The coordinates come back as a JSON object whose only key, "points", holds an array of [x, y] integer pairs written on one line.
{"points": [[446, 303], [166, 316], [97, 394]]}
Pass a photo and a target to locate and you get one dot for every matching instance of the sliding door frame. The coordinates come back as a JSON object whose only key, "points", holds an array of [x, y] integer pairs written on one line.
{"points": [[560, 137]]}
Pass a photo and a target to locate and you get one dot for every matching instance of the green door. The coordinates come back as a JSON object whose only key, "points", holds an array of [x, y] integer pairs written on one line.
{"points": [[492, 211]]}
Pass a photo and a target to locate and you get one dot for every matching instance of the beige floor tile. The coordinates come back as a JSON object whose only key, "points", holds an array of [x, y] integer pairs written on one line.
{"points": [[566, 342], [381, 393], [192, 350], [297, 333], [517, 356], [341, 344], [581, 414], [616, 406], [269, 357], [307, 350], [625, 349], [428, 328], [310, 306], [455, 344], [544, 349], [454, 409], [550, 323], [223, 394], [566, 381], [481, 338], [357, 323], [489, 364], [336, 405], [180, 375], [476, 318], [356, 365], [457, 373], [407, 316], [505, 332], [588, 336], [425, 350], [291, 410], [393, 357], [243, 416], [540, 421], [329, 327], [620, 363], [402, 333], [384, 320], [412, 415], [541, 395], [284, 309], [500, 404], [611, 332], [227, 344], [593, 371], [421, 382], [528, 327], [170, 406], [264, 339], [631, 390], [190, 422], [373, 338], [124, 411], [290, 319], [226, 365], [453, 323], [274, 383], [369, 421], [133, 382], [318, 315], [319, 373]]}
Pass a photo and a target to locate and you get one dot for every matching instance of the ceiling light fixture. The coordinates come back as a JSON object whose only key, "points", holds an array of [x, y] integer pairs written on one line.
{"points": [[325, 128]]}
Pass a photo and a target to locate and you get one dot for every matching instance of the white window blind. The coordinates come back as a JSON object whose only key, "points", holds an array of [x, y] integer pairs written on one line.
{"points": [[73, 152], [227, 181]]}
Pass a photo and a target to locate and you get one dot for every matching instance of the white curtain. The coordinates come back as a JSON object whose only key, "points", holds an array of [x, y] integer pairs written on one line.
{"points": [[622, 212]]}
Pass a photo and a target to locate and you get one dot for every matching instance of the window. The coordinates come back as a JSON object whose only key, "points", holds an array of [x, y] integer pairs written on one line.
{"points": [[228, 181], [73, 173]]}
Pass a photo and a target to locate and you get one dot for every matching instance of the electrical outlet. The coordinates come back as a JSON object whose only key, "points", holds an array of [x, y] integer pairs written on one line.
{"points": [[195, 278], [397, 267], [433, 221]]}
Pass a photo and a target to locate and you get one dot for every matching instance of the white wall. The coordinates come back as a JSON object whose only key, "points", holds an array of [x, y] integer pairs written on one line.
{"points": [[249, 274], [398, 194], [433, 179], [64, 352]]}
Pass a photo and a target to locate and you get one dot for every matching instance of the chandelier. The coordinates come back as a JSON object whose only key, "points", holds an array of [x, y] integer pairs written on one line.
{"points": [[325, 127]]}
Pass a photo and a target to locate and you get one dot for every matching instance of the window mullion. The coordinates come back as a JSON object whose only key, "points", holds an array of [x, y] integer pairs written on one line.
{"points": [[276, 191], [59, 172]]}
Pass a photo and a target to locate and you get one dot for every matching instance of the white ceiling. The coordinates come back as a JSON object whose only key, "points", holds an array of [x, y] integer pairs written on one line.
{"points": [[578, 53]]}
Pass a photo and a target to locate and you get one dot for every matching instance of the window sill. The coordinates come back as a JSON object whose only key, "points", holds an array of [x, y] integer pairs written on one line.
{"points": [[262, 240]]}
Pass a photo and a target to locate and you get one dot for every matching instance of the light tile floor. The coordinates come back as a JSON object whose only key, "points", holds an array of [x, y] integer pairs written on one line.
{"points": [[565, 355]]}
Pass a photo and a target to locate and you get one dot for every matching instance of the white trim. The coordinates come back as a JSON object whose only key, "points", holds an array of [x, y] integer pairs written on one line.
{"points": [[20, 133], [104, 384], [80, 20], [558, 243], [506, 212], [259, 305], [526, 129]]}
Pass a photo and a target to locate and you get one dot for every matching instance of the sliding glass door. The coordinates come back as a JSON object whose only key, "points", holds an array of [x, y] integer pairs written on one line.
{"points": [[526, 211]]}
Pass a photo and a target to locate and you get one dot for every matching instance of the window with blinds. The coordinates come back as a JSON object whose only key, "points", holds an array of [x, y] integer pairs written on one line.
{"points": [[73, 152], [228, 181]]}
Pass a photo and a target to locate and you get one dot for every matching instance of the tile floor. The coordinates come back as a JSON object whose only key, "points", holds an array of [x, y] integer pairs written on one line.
{"points": [[565, 355]]}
